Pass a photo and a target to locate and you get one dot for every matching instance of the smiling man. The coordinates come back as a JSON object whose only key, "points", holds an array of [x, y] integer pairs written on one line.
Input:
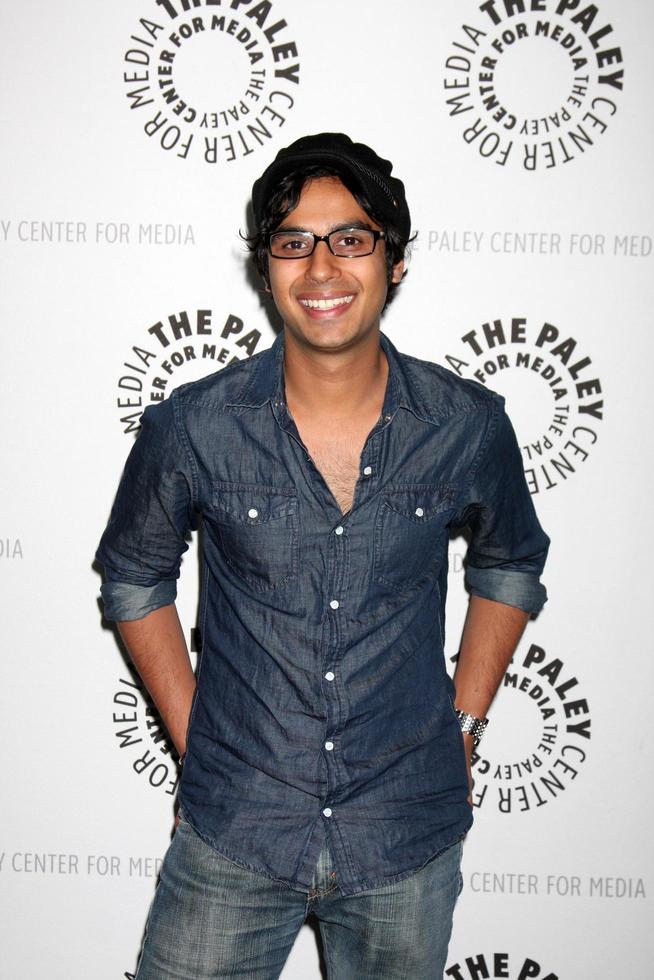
{"points": [[326, 751]]}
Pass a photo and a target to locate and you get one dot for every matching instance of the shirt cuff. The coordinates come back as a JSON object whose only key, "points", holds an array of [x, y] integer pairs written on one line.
{"points": [[521, 589], [123, 601]]}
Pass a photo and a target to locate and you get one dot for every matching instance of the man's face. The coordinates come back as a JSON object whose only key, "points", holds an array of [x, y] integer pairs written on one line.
{"points": [[359, 284]]}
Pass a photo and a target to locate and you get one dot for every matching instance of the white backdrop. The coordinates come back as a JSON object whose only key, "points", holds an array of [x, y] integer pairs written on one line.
{"points": [[532, 193]]}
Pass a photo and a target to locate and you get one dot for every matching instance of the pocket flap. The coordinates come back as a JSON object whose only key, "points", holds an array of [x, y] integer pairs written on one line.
{"points": [[253, 503], [420, 502]]}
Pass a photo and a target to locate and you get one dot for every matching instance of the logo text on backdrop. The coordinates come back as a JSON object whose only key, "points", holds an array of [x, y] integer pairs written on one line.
{"points": [[211, 80], [553, 396], [498, 966], [546, 705], [140, 730], [534, 83], [178, 348]]}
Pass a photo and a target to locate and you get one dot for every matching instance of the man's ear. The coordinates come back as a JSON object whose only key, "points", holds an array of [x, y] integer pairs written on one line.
{"points": [[398, 271]]}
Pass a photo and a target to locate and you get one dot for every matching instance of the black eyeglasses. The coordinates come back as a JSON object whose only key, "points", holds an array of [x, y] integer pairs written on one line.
{"points": [[345, 243]]}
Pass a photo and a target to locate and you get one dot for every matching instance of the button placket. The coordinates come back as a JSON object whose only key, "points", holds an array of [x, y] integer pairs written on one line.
{"points": [[369, 466], [333, 643]]}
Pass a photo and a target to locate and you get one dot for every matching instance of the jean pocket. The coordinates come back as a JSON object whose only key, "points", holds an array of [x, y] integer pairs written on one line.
{"points": [[259, 533], [411, 533]]}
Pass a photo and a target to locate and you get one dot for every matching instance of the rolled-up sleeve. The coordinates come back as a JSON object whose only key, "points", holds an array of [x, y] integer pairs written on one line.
{"points": [[153, 513], [508, 547]]}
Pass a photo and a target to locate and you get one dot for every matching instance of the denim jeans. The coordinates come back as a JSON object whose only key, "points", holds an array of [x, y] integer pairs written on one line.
{"points": [[210, 918]]}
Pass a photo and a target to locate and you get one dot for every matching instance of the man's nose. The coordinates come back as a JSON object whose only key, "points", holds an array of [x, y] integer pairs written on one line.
{"points": [[322, 265]]}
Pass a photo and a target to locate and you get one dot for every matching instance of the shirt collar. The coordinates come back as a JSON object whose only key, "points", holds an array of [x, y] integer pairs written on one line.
{"points": [[403, 390], [265, 382]]}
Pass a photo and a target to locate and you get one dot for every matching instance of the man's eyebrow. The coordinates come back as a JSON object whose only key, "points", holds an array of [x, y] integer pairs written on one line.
{"points": [[361, 225], [339, 226]]}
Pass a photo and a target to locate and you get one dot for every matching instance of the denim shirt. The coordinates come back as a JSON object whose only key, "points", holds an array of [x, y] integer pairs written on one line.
{"points": [[323, 713]]}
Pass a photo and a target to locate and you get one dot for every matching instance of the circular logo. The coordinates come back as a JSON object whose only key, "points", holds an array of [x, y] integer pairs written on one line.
{"points": [[212, 80], [496, 965], [534, 85], [537, 739], [181, 347], [553, 395], [139, 729]]}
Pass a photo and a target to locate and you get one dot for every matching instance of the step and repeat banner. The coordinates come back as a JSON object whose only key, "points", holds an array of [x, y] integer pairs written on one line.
{"points": [[522, 129]]}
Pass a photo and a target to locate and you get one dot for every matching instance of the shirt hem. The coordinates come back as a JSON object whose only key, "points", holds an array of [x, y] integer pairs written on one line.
{"points": [[373, 884], [239, 862], [345, 890]]}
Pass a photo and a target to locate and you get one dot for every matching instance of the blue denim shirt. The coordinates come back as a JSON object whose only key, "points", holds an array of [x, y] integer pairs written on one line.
{"points": [[323, 712]]}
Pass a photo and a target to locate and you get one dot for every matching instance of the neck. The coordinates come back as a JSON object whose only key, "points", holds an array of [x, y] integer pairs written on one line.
{"points": [[334, 384]]}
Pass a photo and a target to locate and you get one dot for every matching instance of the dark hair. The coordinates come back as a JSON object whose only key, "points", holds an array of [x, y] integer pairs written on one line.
{"points": [[285, 198]]}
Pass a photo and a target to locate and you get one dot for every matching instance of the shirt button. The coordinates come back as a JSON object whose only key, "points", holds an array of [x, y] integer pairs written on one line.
{"points": [[338, 530], [329, 675], [419, 512], [253, 512], [387, 418], [329, 746], [334, 604], [367, 470], [327, 812]]}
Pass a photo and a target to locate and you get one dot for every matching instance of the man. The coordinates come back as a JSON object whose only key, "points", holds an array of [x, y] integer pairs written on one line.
{"points": [[325, 769]]}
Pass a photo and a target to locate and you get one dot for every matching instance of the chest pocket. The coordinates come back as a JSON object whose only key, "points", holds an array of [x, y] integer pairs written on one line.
{"points": [[410, 533], [259, 532]]}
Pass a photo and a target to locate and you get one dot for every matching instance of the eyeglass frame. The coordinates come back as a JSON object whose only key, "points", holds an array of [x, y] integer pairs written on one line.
{"points": [[324, 238]]}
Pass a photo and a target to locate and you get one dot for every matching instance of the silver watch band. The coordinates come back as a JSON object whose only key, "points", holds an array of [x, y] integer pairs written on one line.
{"points": [[471, 725]]}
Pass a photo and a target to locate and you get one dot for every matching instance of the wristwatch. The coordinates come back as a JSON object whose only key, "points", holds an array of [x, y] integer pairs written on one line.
{"points": [[471, 725]]}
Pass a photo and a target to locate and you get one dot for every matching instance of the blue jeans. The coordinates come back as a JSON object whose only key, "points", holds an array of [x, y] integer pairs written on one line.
{"points": [[210, 918]]}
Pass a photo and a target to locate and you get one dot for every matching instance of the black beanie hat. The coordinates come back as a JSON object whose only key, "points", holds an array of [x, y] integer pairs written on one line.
{"points": [[372, 173]]}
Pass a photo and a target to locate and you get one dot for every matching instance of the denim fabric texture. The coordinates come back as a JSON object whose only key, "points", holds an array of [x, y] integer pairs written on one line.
{"points": [[210, 918], [323, 713]]}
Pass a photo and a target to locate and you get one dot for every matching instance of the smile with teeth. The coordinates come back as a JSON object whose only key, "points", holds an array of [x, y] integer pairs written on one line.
{"points": [[326, 304]]}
